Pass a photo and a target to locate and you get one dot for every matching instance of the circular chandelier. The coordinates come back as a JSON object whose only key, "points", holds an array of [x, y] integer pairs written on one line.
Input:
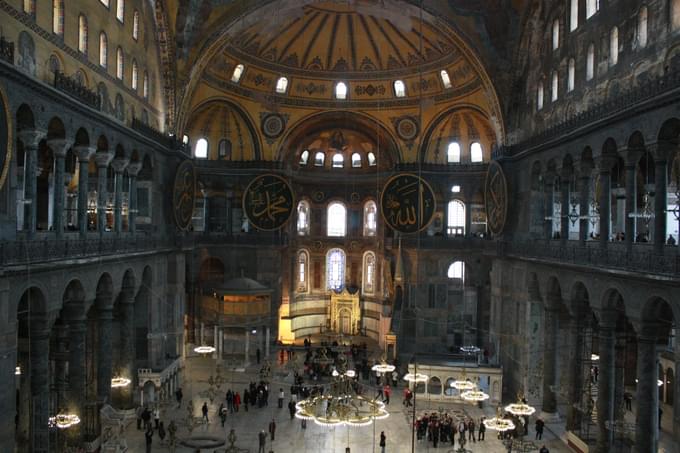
{"points": [[470, 349], [594, 357], [63, 421], [204, 349], [118, 382], [17, 371], [416, 377], [383, 366], [499, 424], [463, 384], [474, 395], [520, 409]]}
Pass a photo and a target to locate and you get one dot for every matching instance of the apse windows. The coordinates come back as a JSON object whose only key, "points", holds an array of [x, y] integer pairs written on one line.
{"points": [[135, 25], [282, 85], [338, 160], [369, 273], [336, 220], [476, 154], [120, 63], [201, 151], [370, 218], [303, 218], [613, 46], [82, 34], [453, 153], [455, 220], [641, 35], [371, 160], [446, 81], [304, 157], [571, 74], [555, 86], [238, 72], [135, 75], [319, 159], [590, 62], [356, 160], [456, 270], [302, 271], [573, 15], [455, 188], [592, 6], [539, 95], [103, 49], [335, 269], [224, 149], [145, 86], [120, 10], [341, 90], [399, 89], [58, 17], [556, 34]]}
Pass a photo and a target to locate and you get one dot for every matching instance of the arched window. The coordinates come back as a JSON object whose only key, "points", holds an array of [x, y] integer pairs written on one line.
{"points": [[302, 271], [675, 14], [340, 90], [185, 139], [120, 10], [105, 2], [224, 149], [201, 151], [556, 34], [573, 15], [282, 85], [54, 64], [335, 269], [319, 159], [135, 25], [446, 80], [590, 62], [135, 75], [455, 188], [641, 35], [336, 220], [303, 218], [82, 34], [476, 154], [120, 63], [455, 221], [304, 157], [571, 74], [369, 273], [238, 72], [456, 270], [145, 86], [399, 89], [371, 160], [356, 160], [338, 160], [453, 153], [29, 7], [103, 49], [592, 6], [58, 17], [613, 46], [370, 218], [539, 95], [555, 86]]}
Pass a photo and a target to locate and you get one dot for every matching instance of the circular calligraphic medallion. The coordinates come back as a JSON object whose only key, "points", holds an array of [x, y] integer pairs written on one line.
{"points": [[495, 198], [268, 202], [273, 125], [6, 139], [407, 129], [184, 194], [407, 203]]}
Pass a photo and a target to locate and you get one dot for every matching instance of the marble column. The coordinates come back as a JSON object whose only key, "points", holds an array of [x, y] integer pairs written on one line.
{"points": [[647, 422], [468, 219], [127, 344], [631, 204], [676, 392], [77, 325], [133, 169], [40, 385], [584, 205], [104, 353], [660, 203], [59, 148], [84, 153], [267, 341], [247, 350], [549, 206], [118, 165], [605, 204], [574, 371], [31, 141], [550, 361], [606, 380], [564, 215], [102, 158], [60, 357]]}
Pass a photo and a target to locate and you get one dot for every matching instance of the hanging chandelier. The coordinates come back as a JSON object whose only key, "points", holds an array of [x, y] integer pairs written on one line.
{"points": [[63, 421], [594, 357], [118, 382], [204, 349], [383, 366], [646, 214], [17, 371], [474, 396], [470, 349], [520, 408], [416, 377], [499, 424]]}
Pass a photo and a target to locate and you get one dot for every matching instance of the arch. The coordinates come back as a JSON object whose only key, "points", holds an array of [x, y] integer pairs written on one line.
{"points": [[456, 270], [211, 270], [660, 314], [336, 219], [135, 25], [58, 17], [455, 218], [590, 61], [104, 292], [281, 85], [553, 293], [56, 128], [135, 75], [434, 386], [669, 130], [304, 157], [120, 10], [74, 294], [82, 137], [201, 150], [613, 46], [103, 50]]}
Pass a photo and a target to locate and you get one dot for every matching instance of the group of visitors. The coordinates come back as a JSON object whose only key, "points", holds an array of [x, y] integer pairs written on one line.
{"points": [[145, 416], [442, 427]]}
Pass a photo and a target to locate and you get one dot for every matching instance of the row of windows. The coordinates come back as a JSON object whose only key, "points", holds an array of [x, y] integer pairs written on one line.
{"points": [[341, 89], [338, 160], [453, 153]]}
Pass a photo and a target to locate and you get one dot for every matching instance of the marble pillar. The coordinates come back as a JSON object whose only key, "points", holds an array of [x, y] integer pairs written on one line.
{"points": [[102, 158], [660, 204], [59, 148], [247, 348], [586, 169], [118, 165], [76, 366], [84, 153], [647, 398], [127, 345], [676, 392], [605, 205], [574, 373], [40, 385], [104, 353], [549, 207], [60, 357], [549, 405], [31, 140], [631, 205], [606, 381], [564, 219], [133, 169]]}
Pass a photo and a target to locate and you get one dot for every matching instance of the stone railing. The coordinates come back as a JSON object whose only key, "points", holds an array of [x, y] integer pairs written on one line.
{"points": [[6, 50], [467, 167], [156, 135], [261, 238], [237, 164], [74, 88]]}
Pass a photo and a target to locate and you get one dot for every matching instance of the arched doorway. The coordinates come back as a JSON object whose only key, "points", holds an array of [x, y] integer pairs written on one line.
{"points": [[345, 321]]}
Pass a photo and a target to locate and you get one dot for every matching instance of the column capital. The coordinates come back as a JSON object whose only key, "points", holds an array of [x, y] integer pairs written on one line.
{"points": [[661, 150], [648, 332], [133, 168], [59, 146], [84, 152], [585, 168], [605, 163], [632, 155], [103, 158], [119, 164], [31, 137], [607, 318]]}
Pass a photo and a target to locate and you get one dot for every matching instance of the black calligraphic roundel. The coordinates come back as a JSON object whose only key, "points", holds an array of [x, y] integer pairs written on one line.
{"points": [[6, 139], [268, 202], [495, 198], [184, 194], [407, 203]]}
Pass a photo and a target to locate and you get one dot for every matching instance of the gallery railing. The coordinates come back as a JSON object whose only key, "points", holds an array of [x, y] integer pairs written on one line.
{"points": [[6, 50], [71, 86]]}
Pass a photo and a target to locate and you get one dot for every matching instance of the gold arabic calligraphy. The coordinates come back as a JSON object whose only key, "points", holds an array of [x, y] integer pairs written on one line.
{"points": [[268, 202], [408, 203]]}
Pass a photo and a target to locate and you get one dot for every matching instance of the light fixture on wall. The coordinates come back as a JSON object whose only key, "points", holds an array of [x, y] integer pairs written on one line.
{"points": [[63, 421]]}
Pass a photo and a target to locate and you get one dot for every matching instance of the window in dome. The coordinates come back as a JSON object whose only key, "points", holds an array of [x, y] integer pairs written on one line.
{"points": [[556, 34], [399, 89], [319, 159], [356, 160], [145, 86], [476, 154], [369, 273], [135, 25], [336, 221], [446, 81], [340, 90], [58, 17], [590, 62], [370, 218], [571, 74], [282, 85], [335, 269], [453, 153], [455, 188], [371, 160], [303, 218], [185, 139], [303, 259], [455, 220], [224, 149], [555, 86], [338, 160], [573, 15], [304, 157], [103, 49], [456, 270], [120, 10], [120, 63], [614, 46], [238, 72], [539, 95], [82, 34], [201, 151], [135, 74], [641, 35], [592, 6]]}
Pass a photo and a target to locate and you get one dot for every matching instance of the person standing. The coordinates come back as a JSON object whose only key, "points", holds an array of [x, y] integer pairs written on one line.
{"points": [[156, 416], [281, 396], [179, 396], [204, 409], [482, 430], [383, 442], [291, 409], [246, 398], [263, 439], [161, 432], [258, 354], [539, 429], [272, 429], [237, 401], [148, 435], [387, 391], [471, 429], [544, 449], [140, 412]]}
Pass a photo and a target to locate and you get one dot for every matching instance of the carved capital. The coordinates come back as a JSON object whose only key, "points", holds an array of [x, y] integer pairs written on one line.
{"points": [[133, 168], [605, 163], [59, 146], [84, 152], [31, 137], [103, 158], [632, 155], [119, 164]]}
